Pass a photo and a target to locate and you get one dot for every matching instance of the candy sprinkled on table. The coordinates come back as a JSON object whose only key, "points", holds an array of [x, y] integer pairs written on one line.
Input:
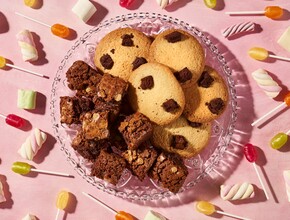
{"points": [[259, 53], [241, 28]]}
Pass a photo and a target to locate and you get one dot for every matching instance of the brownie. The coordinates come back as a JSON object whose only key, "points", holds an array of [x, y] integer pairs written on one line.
{"points": [[90, 86], [89, 149], [140, 160], [72, 107], [112, 88], [112, 107], [136, 129], [108, 166], [80, 75], [95, 124], [170, 171]]}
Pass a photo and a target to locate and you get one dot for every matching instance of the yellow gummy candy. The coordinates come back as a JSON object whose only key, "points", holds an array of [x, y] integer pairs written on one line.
{"points": [[2, 62], [62, 200], [30, 3], [258, 53]]}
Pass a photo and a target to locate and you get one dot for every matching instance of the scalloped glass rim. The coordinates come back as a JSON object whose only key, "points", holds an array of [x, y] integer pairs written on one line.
{"points": [[225, 133]]}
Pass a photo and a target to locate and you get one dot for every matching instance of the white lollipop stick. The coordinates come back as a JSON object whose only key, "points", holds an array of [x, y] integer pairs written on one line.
{"points": [[269, 113], [231, 215], [51, 172], [279, 57], [31, 19], [260, 180], [288, 132], [25, 70], [100, 202], [245, 13]]}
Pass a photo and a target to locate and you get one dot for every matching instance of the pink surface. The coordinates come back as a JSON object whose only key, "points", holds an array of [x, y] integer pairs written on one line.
{"points": [[36, 194]]}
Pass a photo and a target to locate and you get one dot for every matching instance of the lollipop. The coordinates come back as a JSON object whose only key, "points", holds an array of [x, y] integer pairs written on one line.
{"points": [[259, 53], [57, 29], [30, 3], [210, 3], [279, 140], [274, 12], [25, 168], [120, 215], [208, 209], [3, 63], [251, 155], [283, 104], [13, 120], [125, 3], [62, 202]]}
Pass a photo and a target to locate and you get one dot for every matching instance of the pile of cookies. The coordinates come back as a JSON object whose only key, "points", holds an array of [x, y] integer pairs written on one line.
{"points": [[146, 106]]}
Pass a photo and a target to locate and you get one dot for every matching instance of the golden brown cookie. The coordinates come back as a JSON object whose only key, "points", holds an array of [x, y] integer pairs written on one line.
{"points": [[121, 51], [181, 52], [182, 137], [155, 92], [207, 99]]}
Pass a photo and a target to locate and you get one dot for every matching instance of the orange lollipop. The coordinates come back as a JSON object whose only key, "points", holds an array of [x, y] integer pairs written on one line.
{"points": [[274, 12]]}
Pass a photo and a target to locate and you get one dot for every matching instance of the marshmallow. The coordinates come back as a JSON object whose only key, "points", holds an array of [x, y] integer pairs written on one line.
{"points": [[84, 9], [286, 174], [151, 215], [27, 45], [26, 99], [29, 217], [164, 3], [237, 191], [284, 40], [2, 196], [32, 144]]}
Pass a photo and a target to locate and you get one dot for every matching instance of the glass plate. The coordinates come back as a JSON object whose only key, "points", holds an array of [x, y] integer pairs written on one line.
{"points": [[129, 187]]}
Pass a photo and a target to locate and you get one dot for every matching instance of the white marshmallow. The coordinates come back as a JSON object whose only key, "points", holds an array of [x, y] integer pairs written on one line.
{"points": [[84, 9]]}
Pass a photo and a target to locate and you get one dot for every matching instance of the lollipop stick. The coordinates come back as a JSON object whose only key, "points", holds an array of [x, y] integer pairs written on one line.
{"points": [[245, 13], [50, 172], [279, 58], [269, 113], [261, 182], [100, 202], [231, 215], [2, 116], [288, 132], [57, 214], [25, 70], [29, 18]]}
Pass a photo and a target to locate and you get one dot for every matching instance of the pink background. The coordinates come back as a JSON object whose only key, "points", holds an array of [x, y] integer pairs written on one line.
{"points": [[36, 194]]}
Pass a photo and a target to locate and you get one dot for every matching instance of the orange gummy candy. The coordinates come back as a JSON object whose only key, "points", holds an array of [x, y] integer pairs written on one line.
{"points": [[60, 30], [121, 215], [274, 12]]}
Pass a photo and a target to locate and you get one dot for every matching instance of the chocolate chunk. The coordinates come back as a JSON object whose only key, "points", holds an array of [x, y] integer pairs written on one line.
{"points": [[147, 83], [216, 106], [138, 62], [106, 61], [178, 142], [127, 40], [170, 105], [183, 75], [173, 37], [194, 124], [112, 51], [205, 80]]}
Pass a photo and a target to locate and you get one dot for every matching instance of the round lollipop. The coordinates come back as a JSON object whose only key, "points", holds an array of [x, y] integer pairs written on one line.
{"points": [[13, 120], [62, 201], [279, 140], [274, 12], [259, 53]]}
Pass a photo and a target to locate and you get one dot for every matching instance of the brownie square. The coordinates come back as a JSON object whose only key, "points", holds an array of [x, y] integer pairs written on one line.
{"points": [[95, 124], [140, 160], [112, 88], [108, 166], [80, 75], [89, 149], [72, 107], [113, 108], [170, 171], [136, 129]]}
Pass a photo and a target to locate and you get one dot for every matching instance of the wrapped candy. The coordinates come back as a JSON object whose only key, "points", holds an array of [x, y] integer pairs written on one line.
{"points": [[27, 45]]}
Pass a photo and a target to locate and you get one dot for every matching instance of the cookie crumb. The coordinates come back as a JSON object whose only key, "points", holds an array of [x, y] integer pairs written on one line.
{"points": [[138, 62], [173, 37], [205, 80], [107, 61], [147, 83], [183, 75], [216, 105], [127, 40], [170, 105], [178, 142]]}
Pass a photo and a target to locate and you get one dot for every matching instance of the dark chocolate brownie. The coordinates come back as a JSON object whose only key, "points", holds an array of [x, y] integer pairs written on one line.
{"points": [[80, 75], [95, 124], [136, 129], [140, 160], [108, 166], [89, 149], [112, 107], [112, 88], [72, 107], [170, 171]]}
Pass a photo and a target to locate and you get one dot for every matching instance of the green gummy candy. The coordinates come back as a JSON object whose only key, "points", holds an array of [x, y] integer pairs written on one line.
{"points": [[26, 99], [21, 168]]}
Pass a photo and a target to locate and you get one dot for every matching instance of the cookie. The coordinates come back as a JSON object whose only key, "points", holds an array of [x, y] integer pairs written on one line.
{"points": [[208, 99], [181, 52], [121, 51], [155, 92], [182, 137]]}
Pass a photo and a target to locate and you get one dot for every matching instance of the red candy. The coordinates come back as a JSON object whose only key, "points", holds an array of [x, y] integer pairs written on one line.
{"points": [[250, 153], [125, 3], [14, 121]]}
